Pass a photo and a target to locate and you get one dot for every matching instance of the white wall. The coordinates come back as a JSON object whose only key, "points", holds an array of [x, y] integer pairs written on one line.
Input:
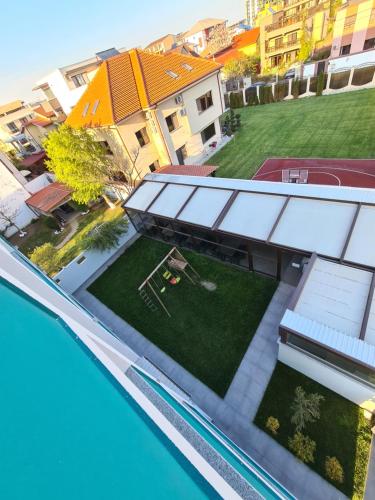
{"points": [[80, 269], [335, 380], [13, 194], [350, 61], [67, 97], [39, 182]]}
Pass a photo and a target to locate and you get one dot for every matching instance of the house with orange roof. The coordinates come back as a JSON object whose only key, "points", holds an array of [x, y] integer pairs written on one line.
{"points": [[244, 44], [151, 110]]}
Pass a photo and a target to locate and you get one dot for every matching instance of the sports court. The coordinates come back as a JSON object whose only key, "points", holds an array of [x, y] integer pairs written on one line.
{"points": [[341, 172]]}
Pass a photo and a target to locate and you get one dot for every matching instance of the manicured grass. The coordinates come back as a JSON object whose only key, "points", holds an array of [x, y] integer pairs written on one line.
{"points": [[208, 332], [336, 126], [38, 234], [342, 430]]}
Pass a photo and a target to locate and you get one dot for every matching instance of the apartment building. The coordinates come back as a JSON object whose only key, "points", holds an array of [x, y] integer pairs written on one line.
{"points": [[152, 110], [23, 127], [199, 35], [64, 86], [282, 32], [162, 44], [354, 28]]}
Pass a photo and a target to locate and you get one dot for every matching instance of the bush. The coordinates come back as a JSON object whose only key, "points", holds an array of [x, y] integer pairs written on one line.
{"points": [[251, 97], [236, 100], [272, 425], [339, 80], [320, 84], [302, 87], [305, 408], [105, 236], [51, 222], [295, 88], [362, 76], [303, 447], [334, 470], [45, 257], [281, 91], [265, 95]]}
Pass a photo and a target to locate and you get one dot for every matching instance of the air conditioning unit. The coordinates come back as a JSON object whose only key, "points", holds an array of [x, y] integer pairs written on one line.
{"points": [[183, 112], [178, 99]]}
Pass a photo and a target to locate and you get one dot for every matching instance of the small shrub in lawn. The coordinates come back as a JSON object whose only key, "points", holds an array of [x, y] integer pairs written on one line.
{"points": [[305, 408], [106, 235], [334, 470], [238, 121], [320, 84], [272, 425], [303, 447]]}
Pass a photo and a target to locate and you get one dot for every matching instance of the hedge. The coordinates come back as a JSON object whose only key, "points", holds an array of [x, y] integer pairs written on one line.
{"points": [[339, 80], [281, 91], [362, 76], [236, 100]]}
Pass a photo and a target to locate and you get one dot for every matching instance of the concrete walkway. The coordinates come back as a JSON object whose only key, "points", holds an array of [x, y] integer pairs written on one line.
{"points": [[73, 226], [370, 483], [234, 413]]}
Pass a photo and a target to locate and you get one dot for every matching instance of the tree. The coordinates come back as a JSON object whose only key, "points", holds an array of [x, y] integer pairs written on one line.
{"points": [[272, 424], [46, 257], [244, 66], [303, 447], [106, 235], [305, 408], [306, 42], [84, 165], [219, 39], [8, 218]]}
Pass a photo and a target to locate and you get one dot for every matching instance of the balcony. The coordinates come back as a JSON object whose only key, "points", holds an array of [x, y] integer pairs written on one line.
{"points": [[282, 47], [284, 22]]}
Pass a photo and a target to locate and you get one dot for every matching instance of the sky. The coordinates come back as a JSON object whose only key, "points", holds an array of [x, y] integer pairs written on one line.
{"points": [[38, 36]]}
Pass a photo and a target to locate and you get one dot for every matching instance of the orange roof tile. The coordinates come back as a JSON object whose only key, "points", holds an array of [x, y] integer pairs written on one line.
{"points": [[49, 197], [135, 80]]}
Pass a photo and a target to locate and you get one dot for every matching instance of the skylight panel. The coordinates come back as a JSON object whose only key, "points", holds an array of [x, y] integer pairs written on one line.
{"points": [[187, 66], [95, 107], [85, 109], [171, 73]]}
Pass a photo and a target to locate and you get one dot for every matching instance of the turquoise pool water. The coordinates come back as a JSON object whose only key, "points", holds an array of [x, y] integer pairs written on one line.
{"points": [[261, 481], [67, 430]]}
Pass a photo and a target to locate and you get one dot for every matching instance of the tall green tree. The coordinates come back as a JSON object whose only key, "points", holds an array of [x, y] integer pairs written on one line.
{"points": [[305, 408], [244, 66], [84, 165]]}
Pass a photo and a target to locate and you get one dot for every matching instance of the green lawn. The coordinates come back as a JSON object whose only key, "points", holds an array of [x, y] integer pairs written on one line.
{"points": [[336, 126], [342, 430], [208, 332]]}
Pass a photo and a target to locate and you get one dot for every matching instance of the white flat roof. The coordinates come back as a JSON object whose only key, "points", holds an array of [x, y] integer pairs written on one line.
{"points": [[319, 219], [253, 215], [315, 225], [171, 200], [336, 296], [361, 247], [205, 206]]}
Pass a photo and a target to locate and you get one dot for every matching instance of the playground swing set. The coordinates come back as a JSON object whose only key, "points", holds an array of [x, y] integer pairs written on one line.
{"points": [[169, 271]]}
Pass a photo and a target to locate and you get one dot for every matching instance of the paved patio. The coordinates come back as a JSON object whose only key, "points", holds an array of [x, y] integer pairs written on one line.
{"points": [[234, 413]]}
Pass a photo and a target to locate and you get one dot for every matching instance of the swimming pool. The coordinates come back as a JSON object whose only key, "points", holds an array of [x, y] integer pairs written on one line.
{"points": [[262, 482], [67, 429]]}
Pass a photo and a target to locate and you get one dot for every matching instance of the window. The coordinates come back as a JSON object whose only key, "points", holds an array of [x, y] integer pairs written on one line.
{"points": [[12, 127], [95, 107], [187, 67], [172, 122], [107, 147], [154, 166], [172, 74], [79, 80], [278, 42], [142, 137], [345, 49], [81, 259], [369, 44], [85, 109], [208, 132], [204, 102]]}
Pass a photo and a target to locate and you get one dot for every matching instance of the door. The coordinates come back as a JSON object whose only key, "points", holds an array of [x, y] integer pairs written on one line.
{"points": [[180, 155]]}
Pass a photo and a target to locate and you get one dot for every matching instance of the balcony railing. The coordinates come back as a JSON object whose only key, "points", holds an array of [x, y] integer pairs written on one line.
{"points": [[281, 46], [283, 22]]}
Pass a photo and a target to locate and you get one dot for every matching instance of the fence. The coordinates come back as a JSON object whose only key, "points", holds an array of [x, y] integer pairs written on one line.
{"points": [[340, 80]]}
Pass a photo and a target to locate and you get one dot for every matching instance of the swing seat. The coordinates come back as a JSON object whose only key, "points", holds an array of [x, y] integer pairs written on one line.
{"points": [[178, 279], [173, 281], [167, 275], [162, 290]]}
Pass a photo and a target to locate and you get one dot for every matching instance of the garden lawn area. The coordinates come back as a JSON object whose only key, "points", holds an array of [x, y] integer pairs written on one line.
{"points": [[209, 331], [335, 126], [342, 430]]}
